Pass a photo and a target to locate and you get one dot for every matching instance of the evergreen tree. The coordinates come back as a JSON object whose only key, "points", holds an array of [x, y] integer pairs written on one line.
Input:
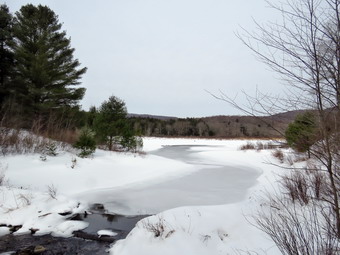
{"points": [[301, 134], [6, 53], [110, 121], [129, 140], [91, 115], [86, 143], [45, 68], [114, 128]]}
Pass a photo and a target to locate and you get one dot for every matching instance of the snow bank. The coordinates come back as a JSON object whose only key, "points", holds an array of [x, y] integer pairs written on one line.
{"points": [[38, 213], [195, 230], [71, 175], [208, 230], [222, 229]]}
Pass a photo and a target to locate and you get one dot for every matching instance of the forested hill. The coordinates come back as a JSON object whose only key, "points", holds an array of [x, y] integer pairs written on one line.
{"points": [[215, 126]]}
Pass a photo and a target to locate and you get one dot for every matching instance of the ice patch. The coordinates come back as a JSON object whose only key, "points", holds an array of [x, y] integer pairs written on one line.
{"points": [[106, 233]]}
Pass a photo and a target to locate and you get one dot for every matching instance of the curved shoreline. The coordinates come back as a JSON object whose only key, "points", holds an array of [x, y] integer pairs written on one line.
{"points": [[208, 184]]}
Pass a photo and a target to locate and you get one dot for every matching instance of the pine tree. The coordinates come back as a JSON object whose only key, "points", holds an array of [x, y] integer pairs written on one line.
{"points": [[86, 143], [110, 121], [6, 53], [301, 134], [46, 71], [114, 128]]}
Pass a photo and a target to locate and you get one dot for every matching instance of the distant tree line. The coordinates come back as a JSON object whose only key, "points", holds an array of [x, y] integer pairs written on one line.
{"points": [[216, 126], [171, 127]]}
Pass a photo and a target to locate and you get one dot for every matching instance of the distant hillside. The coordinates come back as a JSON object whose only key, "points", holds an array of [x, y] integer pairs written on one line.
{"points": [[149, 116], [214, 126], [286, 116]]}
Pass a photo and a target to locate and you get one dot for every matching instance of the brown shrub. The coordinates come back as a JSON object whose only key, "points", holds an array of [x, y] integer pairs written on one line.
{"points": [[279, 155], [248, 146], [296, 185]]}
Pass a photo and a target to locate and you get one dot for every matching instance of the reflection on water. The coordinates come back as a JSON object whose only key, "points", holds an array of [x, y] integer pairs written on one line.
{"points": [[119, 224]]}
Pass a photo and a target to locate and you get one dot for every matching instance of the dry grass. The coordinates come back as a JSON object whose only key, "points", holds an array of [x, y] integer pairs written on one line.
{"points": [[22, 142], [248, 146], [26, 199], [303, 185], [260, 145], [279, 155], [296, 186], [52, 191], [2, 179], [160, 228]]}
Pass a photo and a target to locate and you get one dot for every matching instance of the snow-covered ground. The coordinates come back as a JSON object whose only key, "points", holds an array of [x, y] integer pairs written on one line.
{"points": [[209, 230], [40, 192]]}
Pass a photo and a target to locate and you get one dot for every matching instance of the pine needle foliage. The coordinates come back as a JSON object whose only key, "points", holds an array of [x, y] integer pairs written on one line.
{"points": [[46, 71], [86, 143]]}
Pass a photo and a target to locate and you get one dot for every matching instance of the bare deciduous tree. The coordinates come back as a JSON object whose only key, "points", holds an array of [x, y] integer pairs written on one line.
{"points": [[304, 49]]}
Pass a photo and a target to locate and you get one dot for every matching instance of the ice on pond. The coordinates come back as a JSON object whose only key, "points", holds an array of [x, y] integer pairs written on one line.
{"points": [[211, 184]]}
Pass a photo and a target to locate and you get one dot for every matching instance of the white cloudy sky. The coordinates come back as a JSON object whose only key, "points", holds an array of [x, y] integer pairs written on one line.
{"points": [[160, 56]]}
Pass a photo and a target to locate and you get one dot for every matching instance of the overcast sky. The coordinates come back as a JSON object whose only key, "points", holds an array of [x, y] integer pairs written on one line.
{"points": [[160, 56]]}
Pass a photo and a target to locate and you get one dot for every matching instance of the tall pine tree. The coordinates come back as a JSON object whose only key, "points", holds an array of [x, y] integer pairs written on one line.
{"points": [[6, 53], [46, 71]]}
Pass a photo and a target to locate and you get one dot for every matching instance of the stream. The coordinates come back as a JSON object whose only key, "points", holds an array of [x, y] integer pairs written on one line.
{"points": [[119, 209], [85, 242]]}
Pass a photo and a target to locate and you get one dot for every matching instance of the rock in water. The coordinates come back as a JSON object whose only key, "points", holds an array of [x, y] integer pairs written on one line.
{"points": [[39, 249]]}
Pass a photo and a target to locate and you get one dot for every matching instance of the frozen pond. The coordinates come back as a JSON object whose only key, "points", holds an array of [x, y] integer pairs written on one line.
{"points": [[211, 184]]}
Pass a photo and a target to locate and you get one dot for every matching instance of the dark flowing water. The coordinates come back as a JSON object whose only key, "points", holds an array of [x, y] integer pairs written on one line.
{"points": [[119, 224], [85, 242], [24, 244]]}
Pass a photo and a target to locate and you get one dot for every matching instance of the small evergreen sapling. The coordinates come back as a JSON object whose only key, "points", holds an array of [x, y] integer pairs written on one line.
{"points": [[129, 141], [51, 149], [86, 143], [302, 133]]}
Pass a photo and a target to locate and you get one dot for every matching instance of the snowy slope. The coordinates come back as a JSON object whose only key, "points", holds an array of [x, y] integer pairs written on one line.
{"points": [[222, 229], [209, 230]]}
